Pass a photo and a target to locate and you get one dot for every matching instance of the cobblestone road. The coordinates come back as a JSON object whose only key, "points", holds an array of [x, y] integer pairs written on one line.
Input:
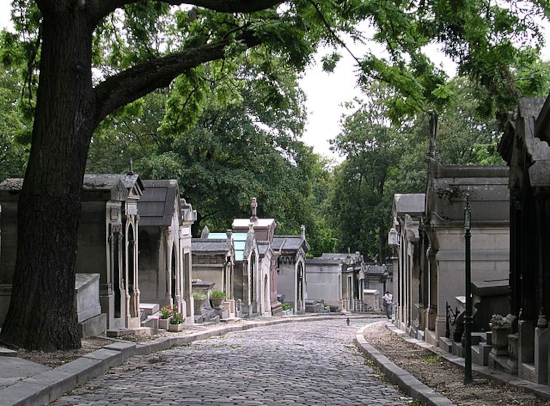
{"points": [[301, 363]]}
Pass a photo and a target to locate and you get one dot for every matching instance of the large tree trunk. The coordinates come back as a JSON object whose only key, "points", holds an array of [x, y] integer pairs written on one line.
{"points": [[42, 313]]}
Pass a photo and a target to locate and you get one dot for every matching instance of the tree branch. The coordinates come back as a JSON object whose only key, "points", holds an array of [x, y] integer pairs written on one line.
{"points": [[332, 32], [136, 82], [104, 7]]}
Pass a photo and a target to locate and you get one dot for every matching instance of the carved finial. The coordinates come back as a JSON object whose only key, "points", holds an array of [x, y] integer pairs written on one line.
{"points": [[303, 231], [229, 235], [205, 232], [254, 206], [131, 167]]}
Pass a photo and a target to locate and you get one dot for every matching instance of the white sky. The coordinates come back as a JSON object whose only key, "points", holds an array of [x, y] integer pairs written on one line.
{"points": [[326, 92]]}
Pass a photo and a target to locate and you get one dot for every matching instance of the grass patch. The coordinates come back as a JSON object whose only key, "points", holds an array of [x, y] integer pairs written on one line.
{"points": [[433, 359]]}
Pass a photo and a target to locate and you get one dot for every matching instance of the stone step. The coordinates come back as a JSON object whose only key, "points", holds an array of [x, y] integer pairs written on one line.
{"points": [[149, 308], [6, 352], [94, 326], [446, 344], [480, 353], [138, 332], [151, 322]]}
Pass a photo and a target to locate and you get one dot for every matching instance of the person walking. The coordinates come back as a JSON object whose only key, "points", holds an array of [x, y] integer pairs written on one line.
{"points": [[387, 301]]}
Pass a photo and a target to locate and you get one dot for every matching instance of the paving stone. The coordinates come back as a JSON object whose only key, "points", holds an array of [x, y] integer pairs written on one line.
{"points": [[312, 363]]}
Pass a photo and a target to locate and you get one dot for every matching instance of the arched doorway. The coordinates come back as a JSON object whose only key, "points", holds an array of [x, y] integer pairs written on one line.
{"points": [[116, 270], [253, 283], [267, 298], [173, 276], [131, 283], [300, 288]]}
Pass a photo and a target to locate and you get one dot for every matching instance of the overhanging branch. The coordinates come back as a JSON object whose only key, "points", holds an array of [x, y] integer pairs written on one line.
{"points": [[140, 80], [104, 7]]}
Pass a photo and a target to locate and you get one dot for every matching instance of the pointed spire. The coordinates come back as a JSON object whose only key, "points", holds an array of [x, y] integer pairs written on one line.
{"points": [[205, 232]]}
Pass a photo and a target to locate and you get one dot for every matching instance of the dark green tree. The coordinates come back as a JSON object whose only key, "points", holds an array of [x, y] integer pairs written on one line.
{"points": [[372, 147]]}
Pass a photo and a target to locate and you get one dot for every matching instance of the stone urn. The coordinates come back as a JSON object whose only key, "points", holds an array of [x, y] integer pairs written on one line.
{"points": [[217, 297], [217, 302], [499, 337], [198, 301]]}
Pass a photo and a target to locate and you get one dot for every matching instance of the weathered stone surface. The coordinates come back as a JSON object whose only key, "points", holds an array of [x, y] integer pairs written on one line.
{"points": [[313, 363]]}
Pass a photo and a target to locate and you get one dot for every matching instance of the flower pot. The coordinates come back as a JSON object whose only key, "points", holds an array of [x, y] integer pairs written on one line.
{"points": [[175, 327], [217, 302], [164, 323], [197, 306]]}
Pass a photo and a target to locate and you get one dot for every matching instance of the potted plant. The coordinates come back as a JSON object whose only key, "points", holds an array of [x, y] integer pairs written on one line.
{"points": [[217, 298], [198, 298], [165, 316], [176, 321], [287, 309]]}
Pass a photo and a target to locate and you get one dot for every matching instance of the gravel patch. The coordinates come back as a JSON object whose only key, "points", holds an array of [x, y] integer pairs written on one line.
{"points": [[442, 376]]}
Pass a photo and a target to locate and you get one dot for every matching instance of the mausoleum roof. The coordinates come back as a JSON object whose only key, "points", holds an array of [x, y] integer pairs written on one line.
{"points": [[209, 245], [289, 243], [107, 181], [239, 242], [263, 247], [409, 203], [158, 202], [119, 185]]}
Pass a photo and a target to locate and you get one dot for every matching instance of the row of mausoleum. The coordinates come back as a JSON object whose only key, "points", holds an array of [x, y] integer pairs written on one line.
{"points": [[509, 260], [136, 258]]}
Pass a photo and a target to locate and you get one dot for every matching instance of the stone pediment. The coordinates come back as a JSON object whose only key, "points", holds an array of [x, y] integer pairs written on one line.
{"points": [[119, 192]]}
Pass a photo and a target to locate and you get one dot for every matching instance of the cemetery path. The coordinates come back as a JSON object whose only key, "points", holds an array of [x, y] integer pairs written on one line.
{"points": [[306, 363]]}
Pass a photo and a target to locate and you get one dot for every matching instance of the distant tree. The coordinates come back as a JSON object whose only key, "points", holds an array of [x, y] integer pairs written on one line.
{"points": [[372, 147], [14, 128], [16, 112]]}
